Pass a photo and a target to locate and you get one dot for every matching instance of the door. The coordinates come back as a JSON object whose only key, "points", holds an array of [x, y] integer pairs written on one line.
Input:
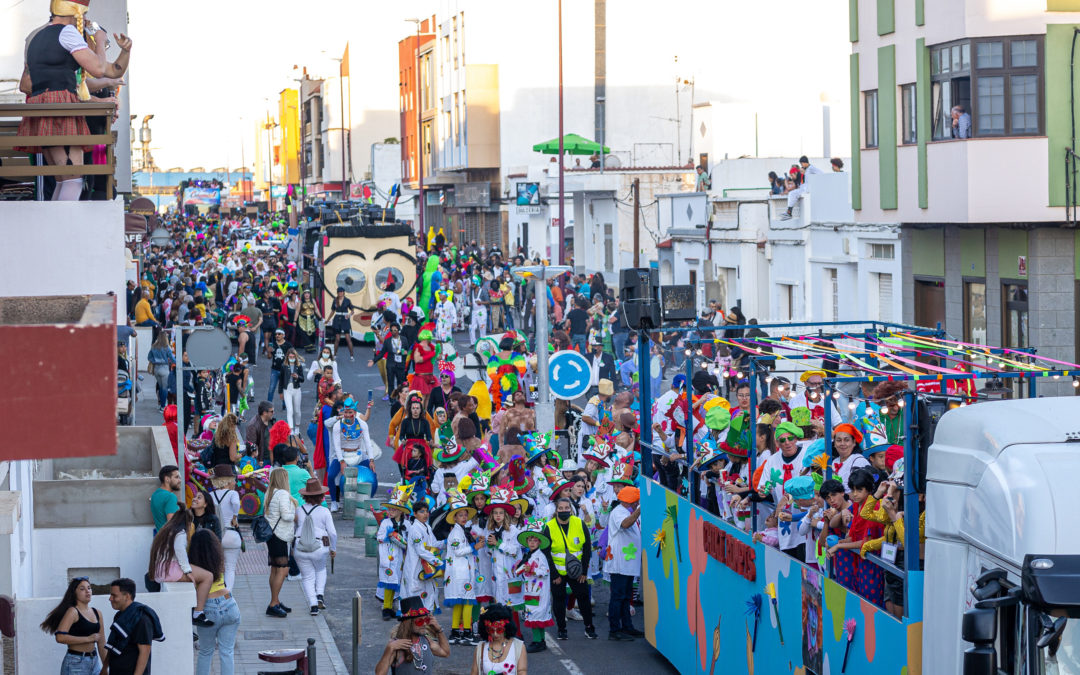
{"points": [[1014, 297], [929, 303]]}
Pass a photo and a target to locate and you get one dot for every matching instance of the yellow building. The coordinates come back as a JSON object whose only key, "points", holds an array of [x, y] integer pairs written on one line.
{"points": [[289, 115]]}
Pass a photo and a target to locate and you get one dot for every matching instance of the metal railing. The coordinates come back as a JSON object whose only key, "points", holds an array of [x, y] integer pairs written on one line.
{"points": [[15, 164]]}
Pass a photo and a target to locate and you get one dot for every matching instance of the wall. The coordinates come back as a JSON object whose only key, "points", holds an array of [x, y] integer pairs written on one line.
{"points": [[696, 584], [38, 652], [16, 534], [45, 241]]}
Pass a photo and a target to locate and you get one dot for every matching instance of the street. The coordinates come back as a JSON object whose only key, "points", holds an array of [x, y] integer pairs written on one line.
{"points": [[354, 573]]}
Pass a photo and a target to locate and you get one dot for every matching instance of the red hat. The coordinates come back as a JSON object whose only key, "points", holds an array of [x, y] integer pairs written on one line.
{"points": [[893, 453]]}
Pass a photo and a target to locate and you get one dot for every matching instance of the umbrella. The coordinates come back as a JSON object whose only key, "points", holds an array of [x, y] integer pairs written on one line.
{"points": [[572, 144]]}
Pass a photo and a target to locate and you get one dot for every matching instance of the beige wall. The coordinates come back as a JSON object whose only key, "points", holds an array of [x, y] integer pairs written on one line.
{"points": [[482, 115]]}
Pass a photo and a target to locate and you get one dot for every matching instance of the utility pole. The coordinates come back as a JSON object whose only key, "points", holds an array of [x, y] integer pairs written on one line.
{"points": [[562, 169], [637, 230]]}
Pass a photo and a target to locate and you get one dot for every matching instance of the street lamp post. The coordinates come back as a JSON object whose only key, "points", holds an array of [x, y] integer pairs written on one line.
{"points": [[562, 168], [545, 410]]}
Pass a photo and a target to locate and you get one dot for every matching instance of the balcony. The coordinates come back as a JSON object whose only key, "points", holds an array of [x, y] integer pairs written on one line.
{"points": [[19, 170]]}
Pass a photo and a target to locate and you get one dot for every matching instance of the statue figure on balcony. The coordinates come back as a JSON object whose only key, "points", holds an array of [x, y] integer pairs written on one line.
{"points": [[60, 58]]}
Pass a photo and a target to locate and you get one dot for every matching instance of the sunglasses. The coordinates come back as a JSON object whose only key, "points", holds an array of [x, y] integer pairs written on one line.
{"points": [[786, 439], [421, 621]]}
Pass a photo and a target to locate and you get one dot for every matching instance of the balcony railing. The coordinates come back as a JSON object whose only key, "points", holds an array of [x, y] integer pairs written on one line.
{"points": [[28, 167], [1071, 201]]}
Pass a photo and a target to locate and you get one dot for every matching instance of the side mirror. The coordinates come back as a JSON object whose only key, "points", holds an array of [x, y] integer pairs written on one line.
{"points": [[1050, 635], [979, 626]]}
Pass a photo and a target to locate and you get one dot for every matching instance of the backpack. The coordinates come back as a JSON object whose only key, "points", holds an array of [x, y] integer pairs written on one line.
{"points": [[308, 542]]}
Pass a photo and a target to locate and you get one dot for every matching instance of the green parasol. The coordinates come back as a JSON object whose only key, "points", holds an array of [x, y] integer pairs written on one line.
{"points": [[572, 144]]}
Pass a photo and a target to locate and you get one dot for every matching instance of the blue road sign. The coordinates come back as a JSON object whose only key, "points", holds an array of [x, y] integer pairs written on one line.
{"points": [[568, 374]]}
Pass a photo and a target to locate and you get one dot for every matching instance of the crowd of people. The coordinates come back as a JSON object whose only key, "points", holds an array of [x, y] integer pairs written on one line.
{"points": [[835, 505]]}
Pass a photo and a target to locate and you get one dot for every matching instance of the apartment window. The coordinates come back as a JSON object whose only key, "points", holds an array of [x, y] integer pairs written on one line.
{"points": [[609, 247], [975, 312], [870, 101], [883, 251], [786, 297], [909, 114], [832, 295], [999, 91], [1015, 307], [457, 117], [883, 296]]}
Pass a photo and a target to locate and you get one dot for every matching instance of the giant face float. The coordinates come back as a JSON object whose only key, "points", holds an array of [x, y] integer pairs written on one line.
{"points": [[366, 261]]}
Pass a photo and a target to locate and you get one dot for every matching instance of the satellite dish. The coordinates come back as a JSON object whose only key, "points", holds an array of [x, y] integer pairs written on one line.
{"points": [[612, 161]]}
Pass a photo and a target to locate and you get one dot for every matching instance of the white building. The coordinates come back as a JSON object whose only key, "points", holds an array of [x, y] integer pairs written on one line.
{"points": [[818, 266]]}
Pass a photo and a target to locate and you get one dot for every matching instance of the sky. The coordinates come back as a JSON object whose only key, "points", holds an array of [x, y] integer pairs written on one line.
{"points": [[207, 70]]}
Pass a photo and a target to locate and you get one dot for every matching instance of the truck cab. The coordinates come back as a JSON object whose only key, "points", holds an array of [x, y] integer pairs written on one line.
{"points": [[1002, 552]]}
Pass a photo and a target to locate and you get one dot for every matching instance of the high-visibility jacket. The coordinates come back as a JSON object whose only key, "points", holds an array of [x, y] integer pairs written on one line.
{"points": [[574, 539]]}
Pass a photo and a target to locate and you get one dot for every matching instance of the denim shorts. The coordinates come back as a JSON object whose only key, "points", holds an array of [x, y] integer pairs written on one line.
{"points": [[80, 665]]}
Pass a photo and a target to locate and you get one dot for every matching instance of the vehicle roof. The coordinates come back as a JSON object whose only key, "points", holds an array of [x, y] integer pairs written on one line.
{"points": [[1002, 476], [968, 439]]}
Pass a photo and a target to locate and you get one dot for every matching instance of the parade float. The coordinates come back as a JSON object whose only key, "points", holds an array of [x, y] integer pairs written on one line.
{"points": [[999, 575]]}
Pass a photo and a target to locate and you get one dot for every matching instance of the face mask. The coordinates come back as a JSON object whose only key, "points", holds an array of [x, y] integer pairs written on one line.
{"points": [[563, 516]]}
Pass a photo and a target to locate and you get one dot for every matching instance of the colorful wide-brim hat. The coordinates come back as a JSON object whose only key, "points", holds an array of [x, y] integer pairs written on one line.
{"points": [[457, 502], [601, 448], [560, 487], [476, 483], [737, 442], [537, 446], [413, 608], [534, 527], [624, 471], [708, 452], [400, 498], [501, 497], [450, 452]]}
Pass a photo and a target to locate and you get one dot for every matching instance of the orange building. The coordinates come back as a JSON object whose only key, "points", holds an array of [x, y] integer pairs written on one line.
{"points": [[407, 102]]}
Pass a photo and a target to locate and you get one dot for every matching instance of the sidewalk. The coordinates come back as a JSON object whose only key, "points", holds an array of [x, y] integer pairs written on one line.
{"points": [[260, 632]]}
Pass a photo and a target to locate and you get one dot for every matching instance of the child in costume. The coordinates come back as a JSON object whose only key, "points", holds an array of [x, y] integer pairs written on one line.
{"points": [[475, 486], [462, 567], [502, 542], [445, 316], [392, 546], [421, 564], [536, 573]]}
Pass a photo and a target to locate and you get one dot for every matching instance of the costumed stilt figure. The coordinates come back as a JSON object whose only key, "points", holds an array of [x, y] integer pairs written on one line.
{"points": [[505, 370]]}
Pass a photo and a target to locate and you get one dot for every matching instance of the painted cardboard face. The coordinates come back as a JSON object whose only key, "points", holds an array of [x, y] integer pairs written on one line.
{"points": [[366, 261]]}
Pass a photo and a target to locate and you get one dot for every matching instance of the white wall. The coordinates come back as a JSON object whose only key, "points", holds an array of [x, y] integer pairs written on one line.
{"points": [[15, 548], [38, 652], [60, 248], [58, 550]]}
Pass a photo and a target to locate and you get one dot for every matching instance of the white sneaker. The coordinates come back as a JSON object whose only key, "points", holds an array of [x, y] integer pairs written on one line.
{"points": [[573, 614], [335, 507], [785, 216]]}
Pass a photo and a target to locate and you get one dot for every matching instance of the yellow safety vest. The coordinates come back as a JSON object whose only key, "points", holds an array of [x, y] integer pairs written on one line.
{"points": [[574, 538]]}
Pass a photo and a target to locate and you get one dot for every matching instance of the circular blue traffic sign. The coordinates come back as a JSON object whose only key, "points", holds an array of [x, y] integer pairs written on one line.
{"points": [[568, 374]]}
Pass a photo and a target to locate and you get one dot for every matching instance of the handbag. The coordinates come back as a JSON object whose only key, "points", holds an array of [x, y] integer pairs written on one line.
{"points": [[260, 528], [574, 568]]}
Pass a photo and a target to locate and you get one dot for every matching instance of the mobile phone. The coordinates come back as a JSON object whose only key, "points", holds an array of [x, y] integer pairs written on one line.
{"points": [[370, 395]]}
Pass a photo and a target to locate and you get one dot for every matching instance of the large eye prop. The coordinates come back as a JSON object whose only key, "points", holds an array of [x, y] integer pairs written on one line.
{"points": [[351, 280], [388, 276]]}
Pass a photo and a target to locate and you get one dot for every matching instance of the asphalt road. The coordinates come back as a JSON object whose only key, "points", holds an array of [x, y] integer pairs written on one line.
{"points": [[356, 574]]}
